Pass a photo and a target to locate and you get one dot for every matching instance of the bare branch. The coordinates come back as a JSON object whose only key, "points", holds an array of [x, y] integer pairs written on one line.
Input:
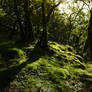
{"points": [[86, 4], [51, 10]]}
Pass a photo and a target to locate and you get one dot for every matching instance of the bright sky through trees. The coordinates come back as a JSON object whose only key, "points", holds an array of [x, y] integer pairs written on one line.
{"points": [[64, 7]]}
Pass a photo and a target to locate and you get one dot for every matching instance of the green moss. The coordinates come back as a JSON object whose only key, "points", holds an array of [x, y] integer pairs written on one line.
{"points": [[20, 56], [44, 75], [66, 53], [60, 72], [89, 67], [82, 73], [2, 12], [12, 57]]}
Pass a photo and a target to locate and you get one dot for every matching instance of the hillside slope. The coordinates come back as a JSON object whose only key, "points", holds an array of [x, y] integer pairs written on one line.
{"points": [[56, 69]]}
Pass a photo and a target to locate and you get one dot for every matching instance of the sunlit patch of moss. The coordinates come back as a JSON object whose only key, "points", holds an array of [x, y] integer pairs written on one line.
{"points": [[58, 72], [89, 67], [21, 56], [82, 73], [13, 56], [31, 47], [67, 53], [61, 47], [43, 63], [2, 13]]}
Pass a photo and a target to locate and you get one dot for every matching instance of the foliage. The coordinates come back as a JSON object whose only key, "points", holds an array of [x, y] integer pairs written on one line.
{"points": [[44, 49], [13, 56], [52, 74]]}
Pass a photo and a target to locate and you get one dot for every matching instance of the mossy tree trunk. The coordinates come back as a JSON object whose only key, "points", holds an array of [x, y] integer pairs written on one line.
{"points": [[88, 43], [43, 40], [45, 19], [18, 19], [90, 34], [27, 21]]}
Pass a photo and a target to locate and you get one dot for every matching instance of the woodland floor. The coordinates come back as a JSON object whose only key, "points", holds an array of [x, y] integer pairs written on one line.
{"points": [[56, 69]]}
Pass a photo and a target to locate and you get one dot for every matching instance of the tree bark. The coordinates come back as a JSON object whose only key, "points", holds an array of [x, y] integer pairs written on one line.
{"points": [[27, 22], [18, 19], [90, 35], [45, 19], [88, 43]]}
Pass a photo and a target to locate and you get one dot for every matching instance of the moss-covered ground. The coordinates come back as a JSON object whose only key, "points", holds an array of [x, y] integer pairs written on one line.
{"points": [[55, 69]]}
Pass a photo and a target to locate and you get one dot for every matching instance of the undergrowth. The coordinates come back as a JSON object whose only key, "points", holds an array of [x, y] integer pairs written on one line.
{"points": [[59, 69]]}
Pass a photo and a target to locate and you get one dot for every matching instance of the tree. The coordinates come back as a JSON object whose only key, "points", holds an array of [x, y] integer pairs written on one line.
{"points": [[89, 39], [19, 19], [27, 21], [21, 16], [45, 19]]}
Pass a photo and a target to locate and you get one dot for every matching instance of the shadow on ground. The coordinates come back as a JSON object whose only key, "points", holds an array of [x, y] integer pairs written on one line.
{"points": [[8, 75]]}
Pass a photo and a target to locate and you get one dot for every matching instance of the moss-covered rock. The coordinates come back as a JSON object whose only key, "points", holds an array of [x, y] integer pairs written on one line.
{"points": [[13, 56]]}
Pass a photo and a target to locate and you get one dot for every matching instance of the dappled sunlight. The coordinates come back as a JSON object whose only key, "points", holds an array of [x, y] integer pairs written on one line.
{"points": [[45, 45]]}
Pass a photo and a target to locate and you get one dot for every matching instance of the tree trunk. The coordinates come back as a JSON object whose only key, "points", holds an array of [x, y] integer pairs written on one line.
{"points": [[45, 19], [27, 22], [43, 41], [18, 19], [88, 43], [90, 35]]}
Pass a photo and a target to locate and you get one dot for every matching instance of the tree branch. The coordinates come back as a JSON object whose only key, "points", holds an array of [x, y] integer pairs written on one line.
{"points": [[51, 10]]}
